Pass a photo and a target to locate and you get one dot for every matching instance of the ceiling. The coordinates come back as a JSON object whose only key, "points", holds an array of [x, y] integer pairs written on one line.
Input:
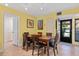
{"points": [[37, 9]]}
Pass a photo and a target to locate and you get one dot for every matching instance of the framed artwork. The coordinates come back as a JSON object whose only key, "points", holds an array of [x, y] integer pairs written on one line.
{"points": [[40, 24], [30, 23]]}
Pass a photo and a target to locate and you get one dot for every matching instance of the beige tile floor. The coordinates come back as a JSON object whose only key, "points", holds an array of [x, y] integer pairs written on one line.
{"points": [[64, 50]]}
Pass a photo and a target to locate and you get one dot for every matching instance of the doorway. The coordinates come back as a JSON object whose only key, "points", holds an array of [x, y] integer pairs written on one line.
{"points": [[10, 30], [66, 30]]}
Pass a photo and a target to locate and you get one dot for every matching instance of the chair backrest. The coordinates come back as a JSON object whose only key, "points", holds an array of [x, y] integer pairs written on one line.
{"points": [[57, 39], [35, 39], [49, 34], [25, 34], [40, 33], [54, 42]]}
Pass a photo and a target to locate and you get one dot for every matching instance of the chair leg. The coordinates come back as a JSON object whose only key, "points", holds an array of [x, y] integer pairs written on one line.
{"points": [[54, 51], [27, 48], [33, 49], [38, 51], [57, 50], [44, 50], [23, 45]]}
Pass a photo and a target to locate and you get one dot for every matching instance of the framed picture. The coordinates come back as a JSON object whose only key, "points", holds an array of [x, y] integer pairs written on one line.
{"points": [[40, 24], [30, 23]]}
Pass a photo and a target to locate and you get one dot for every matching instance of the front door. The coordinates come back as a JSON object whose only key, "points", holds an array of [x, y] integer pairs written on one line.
{"points": [[66, 31]]}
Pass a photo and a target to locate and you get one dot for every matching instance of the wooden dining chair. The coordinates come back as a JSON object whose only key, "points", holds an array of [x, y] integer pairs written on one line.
{"points": [[40, 33], [49, 34], [37, 44], [26, 40], [54, 43]]}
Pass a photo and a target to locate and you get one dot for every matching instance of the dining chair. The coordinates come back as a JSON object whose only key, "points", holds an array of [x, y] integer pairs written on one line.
{"points": [[26, 40], [54, 43], [49, 34], [37, 44], [40, 34]]}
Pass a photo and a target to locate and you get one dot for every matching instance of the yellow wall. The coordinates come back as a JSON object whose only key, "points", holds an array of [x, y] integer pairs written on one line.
{"points": [[71, 11], [1, 30]]}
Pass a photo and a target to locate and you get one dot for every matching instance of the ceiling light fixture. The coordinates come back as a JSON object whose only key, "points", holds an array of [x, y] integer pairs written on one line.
{"points": [[6, 4], [26, 9], [41, 8]]}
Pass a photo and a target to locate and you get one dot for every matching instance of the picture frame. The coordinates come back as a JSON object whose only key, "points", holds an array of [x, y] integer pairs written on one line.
{"points": [[40, 24], [30, 23]]}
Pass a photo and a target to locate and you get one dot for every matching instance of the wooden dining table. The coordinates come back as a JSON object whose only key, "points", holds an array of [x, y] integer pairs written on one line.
{"points": [[30, 35], [45, 39]]}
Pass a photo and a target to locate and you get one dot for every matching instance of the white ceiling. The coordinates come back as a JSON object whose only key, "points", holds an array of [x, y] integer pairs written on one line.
{"points": [[35, 8]]}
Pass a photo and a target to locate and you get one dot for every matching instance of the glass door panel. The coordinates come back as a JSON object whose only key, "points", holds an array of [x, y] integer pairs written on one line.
{"points": [[66, 30]]}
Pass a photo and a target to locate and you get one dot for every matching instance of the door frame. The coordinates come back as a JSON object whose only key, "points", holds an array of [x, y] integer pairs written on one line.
{"points": [[77, 43], [18, 29], [70, 29]]}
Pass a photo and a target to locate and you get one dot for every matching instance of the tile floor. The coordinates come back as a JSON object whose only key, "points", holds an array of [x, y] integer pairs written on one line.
{"points": [[64, 50]]}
